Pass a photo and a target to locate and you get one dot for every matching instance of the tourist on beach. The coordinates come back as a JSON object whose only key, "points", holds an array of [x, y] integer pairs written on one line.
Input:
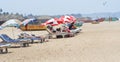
{"points": [[71, 26]]}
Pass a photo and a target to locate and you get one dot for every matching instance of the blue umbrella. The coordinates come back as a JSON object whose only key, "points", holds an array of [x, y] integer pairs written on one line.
{"points": [[28, 21]]}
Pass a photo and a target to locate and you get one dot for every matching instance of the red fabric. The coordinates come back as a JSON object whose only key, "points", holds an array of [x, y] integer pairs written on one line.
{"points": [[61, 20], [67, 19], [52, 22]]}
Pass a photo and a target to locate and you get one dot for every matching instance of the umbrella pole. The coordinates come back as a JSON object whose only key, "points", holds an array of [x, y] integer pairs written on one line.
{"points": [[13, 33], [30, 30]]}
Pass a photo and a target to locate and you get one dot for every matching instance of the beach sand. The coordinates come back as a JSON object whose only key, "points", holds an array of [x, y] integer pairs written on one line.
{"points": [[95, 43]]}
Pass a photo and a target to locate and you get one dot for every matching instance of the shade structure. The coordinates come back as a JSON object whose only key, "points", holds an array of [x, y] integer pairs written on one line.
{"points": [[67, 19], [11, 23], [61, 20], [28, 21], [52, 22]]}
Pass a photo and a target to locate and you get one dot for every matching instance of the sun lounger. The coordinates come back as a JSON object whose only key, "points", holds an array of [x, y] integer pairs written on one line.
{"points": [[31, 37], [59, 34], [4, 48], [7, 39], [75, 31]]}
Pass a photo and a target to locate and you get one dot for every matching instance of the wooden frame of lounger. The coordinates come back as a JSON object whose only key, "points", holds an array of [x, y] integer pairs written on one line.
{"points": [[4, 49], [21, 43], [77, 30], [32, 40], [63, 34]]}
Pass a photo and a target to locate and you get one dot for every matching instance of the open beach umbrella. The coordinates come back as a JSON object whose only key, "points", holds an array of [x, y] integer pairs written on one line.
{"points": [[11, 23], [64, 19], [52, 22], [73, 18], [67, 19], [28, 21]]}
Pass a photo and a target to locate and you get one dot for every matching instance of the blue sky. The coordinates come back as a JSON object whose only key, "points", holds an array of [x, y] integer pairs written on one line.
{"points": [[59, 7]]}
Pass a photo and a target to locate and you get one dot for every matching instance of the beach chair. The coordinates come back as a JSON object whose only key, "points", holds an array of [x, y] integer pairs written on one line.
{"points": [[51, 34], [7, 39], [4, 48], [75, 31], [31, 37]]}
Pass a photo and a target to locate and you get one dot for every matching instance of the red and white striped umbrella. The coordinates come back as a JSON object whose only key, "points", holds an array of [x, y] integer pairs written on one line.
{"points": [[52, 22], [73, 18], [67, 19], [61, 20]]}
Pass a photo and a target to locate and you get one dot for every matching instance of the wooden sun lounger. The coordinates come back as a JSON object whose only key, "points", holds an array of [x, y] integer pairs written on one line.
{"points": [[77, 30], [31, 37], [21, 42], [4, 48], [62, 34]]}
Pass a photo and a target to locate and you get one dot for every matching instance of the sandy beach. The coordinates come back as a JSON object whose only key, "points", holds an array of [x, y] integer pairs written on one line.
{"points": [[95, 43]]}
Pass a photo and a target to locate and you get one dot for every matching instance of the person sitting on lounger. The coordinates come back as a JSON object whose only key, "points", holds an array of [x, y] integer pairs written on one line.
{"points": [[72, 26]]}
